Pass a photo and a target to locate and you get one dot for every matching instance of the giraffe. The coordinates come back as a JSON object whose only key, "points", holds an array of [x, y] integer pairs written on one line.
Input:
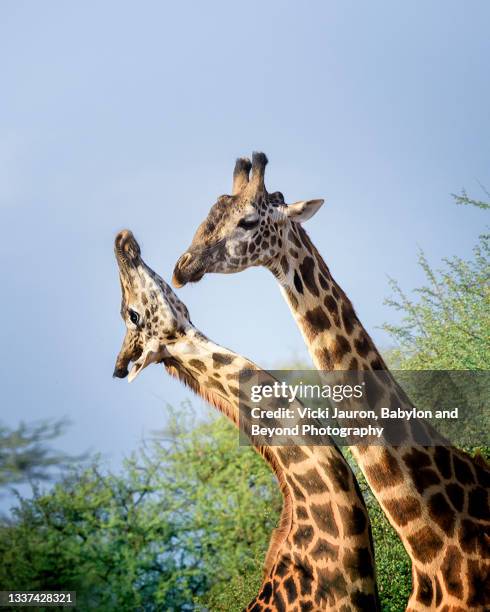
{"points": [[435, 498], [320, 556]]}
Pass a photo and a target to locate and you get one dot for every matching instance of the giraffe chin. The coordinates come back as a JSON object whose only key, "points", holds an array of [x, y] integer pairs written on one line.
{"points": [[154, 353], [178, 281], [135, 370]]}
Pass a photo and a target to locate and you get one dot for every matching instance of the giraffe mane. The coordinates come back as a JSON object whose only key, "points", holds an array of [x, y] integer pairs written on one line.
{"points": [[176, 369]]}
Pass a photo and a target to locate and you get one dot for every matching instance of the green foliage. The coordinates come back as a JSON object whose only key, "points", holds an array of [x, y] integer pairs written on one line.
{"points": [[448, 326], [184, 526], [393, 567], [188, 514], [463, 199]]}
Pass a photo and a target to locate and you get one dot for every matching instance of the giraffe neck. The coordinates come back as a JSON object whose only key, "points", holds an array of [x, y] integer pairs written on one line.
{"points": [[335, 337], [428, 494], [322, 550]]}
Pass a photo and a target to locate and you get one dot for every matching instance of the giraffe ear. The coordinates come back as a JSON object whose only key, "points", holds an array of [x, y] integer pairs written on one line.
{"points": [[303, 210]]}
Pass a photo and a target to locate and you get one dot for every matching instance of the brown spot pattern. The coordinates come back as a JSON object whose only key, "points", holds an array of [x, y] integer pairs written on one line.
{"points": [[425, 544], [456, 496], [297, 282], [462, 471], [220, 359], [331, 306], [315, 321], [307, 269], [451, 571], [303, 536], [291, 454], [363, 344], [358, 563], [353, 520], [348, 317], [478, 503], [402, 510], [385, 473], [441, 513], [197, 365], [425, 592], [312, 482], [325, 550], [418, 463], [324, 518], [478, 584], [442, 459], [340, 348]]}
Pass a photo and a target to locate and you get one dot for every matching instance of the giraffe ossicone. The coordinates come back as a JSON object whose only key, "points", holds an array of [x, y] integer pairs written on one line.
{"points": [[437, 499], [320, 556]]}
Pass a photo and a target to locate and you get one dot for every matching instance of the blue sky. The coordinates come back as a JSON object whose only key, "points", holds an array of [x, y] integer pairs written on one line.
{"points": [[123, 114]]}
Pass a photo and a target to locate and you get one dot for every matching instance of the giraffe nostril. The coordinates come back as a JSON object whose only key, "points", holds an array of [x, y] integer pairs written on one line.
{"points": [[184, 260], [189, 268], [126, 245]]}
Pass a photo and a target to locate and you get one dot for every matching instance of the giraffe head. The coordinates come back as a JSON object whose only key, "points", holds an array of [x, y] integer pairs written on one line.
{"points": [[155, 318], [244, 229]]}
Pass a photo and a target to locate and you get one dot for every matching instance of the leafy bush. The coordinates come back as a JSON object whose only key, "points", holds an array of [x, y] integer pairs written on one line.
{"points": [[188, 514]]}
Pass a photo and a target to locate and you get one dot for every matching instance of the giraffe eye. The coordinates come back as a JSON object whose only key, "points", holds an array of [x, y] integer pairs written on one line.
{"points": [[134, 316], [248, 223]]}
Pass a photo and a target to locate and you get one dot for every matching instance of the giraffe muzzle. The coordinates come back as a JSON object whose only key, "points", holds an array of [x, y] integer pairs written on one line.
{"points": [[120, 372], [126, 248], [187, 270]]}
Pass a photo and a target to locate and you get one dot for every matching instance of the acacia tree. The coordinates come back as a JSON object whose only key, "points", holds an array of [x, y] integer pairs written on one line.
{"points": [[446, 326], [188, 515], [26, 454]]}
